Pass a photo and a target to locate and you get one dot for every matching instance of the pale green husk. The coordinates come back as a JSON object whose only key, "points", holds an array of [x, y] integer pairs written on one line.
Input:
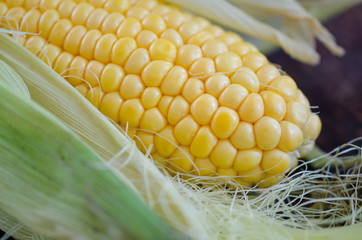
{"points": [[210, 212]]}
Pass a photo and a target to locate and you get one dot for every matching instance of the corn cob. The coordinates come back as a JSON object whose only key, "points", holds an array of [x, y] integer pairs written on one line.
{"points": [[199, 99]]}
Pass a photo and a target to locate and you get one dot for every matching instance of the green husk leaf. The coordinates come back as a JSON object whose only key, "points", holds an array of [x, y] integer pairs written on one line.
{"points": [[55, 184]]}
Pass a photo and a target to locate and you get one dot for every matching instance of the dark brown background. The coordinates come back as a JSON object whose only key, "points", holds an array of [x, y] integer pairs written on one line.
{"points": [[336, 84]]}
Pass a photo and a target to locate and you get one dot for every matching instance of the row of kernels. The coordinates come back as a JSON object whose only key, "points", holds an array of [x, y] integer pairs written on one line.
{"points": [[225, 159], [61, 32], [109, 5]]}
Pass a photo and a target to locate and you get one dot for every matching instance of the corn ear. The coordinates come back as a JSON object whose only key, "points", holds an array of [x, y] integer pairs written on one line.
{"points": [[57, 185]]}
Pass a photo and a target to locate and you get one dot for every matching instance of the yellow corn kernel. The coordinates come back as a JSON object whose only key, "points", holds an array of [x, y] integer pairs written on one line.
{"points": [[202, 68], [214, 30], [131, 113], [242, 48], [274, 105], [96, 18], [248, 159], [230, 172], [158, 159], [179, 108], [30, 21], [203, 142], [204, 167], [47, 21], [49, 54], [97, 3], [111, 22], [73, 39], [253, 176], [297, 113], [275, 161], [155, 72], [188, 28], [233, 95], [164, 104], [76, 70], [229, 38], [82, 89], [153, 120], [224, 122], [59, 32], [174, 81], [302, 99], [95, 96], [174, 18], [223, 154], [102, 50], [163, 49], [254, 60], [88, 43], [165, 142], [192, 89], [203, 108], [199, 38], [187, 54], [131, 86], [181, 160], [14, 3], [62, 63], [227, 62], [154, 23], [148, 4], [252, 108], [129, 27], [186, 130], [284, 86], [267, 73], [122, 49], [247, 78], [65, 8], [267, 133], [243, 136], [3, 8], [173, 36], [92, 73], [13, 18], [48, 4], [110, 105], [137, 61], [313, 127], [116, 5], [137, 12], [213, 47], [215, 84], [111, 77], [150, 97], [80, 13], [291, 138], [145, 141], [145, 38]]}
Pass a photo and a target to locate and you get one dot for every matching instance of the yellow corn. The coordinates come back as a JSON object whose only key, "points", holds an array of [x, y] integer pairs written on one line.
{"points": [[176, 79]]}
